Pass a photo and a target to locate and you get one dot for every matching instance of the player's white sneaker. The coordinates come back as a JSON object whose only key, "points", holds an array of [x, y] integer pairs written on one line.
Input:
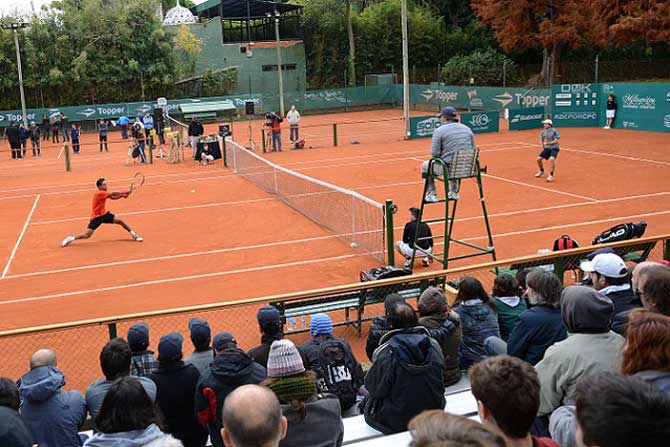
{"points": [[67, 241], [539, 174], [137, 237], [606, 127], [550, 178]]}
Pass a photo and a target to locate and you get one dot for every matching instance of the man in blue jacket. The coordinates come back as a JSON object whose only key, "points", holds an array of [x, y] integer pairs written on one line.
{"points": [[53, 416]]}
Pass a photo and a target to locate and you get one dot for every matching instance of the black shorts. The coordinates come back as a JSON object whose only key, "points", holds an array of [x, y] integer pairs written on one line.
{"points": [[547, 153], [103, 138], [107, 218]]}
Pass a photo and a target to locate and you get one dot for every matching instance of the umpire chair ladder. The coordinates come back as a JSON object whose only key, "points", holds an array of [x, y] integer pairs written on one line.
{"points": [[464, 165]]}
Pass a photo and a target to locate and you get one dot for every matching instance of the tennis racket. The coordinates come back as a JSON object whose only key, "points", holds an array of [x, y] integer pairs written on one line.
{"points": [[138, 181]]}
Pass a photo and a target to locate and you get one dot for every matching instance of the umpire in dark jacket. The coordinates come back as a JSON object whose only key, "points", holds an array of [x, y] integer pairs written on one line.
{"points": [[380, 325], [444, 327], [230, 369], [175, 392], [407, 374]]}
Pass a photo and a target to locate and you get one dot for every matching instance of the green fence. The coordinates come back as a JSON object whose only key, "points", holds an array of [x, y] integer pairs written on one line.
{"points": [[521, 119]]}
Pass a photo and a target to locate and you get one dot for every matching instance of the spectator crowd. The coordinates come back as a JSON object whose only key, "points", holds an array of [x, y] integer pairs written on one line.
{"points": [[586, 365]]}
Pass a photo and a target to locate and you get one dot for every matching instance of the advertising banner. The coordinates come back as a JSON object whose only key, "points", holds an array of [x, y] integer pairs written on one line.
{"points": [[521, 119], [575, 105], [482, 122]]}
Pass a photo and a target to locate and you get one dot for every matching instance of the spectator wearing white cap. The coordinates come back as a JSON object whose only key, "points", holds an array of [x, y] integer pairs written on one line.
{"points": [[201, 336], [175, 392], [609, 275], [300, 400], [550, 148]]}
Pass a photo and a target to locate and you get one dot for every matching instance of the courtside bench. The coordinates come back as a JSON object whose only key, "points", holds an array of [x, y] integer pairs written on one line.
{"points": [[355, 301]]}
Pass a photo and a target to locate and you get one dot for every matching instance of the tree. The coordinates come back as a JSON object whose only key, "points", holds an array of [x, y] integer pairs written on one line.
{"points": [[553, 25], [190, 47], [638, 19], [352, 42], [479, 68]]}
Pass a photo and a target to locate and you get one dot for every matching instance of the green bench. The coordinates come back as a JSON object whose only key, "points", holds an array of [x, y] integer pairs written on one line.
{"points": [[354, 301], [201, 115]]}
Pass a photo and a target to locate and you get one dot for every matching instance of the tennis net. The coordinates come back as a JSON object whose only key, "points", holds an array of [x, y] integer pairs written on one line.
{"points": [[350, 215]]}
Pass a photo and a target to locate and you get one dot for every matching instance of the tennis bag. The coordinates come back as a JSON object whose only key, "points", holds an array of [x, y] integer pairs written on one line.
{"points": [[565, 242], [299, 144], [621, 232], [136, 151], [338, 374], [384, 272]]}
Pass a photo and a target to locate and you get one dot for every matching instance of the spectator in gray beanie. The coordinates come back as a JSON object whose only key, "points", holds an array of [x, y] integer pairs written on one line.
{"points": [[201, 336], [143, 361], [381, 325], [444, 326], [300, 400], [590, 347]]}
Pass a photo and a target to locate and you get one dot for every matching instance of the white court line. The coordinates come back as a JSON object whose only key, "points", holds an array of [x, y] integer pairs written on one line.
{"points": [[316, 238], [59, 154], [529, 185], [609, 154], [181, 278], [18, 241]]}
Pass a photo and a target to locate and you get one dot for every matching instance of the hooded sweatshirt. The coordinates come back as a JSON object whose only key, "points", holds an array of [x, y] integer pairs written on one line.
{"points": [[479, 321], [406, 378], [293, 117], [53, 416], [13, 432], [151, 436], [230, 369], [590, 347]]}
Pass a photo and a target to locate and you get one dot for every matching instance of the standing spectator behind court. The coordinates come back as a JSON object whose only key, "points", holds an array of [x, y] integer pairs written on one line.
{"points": [[137, 132], [478, 320], [176, 383], [230, 369], [75, 133], [123, 124], [14, 137], [103, 128], [46, 127], [444, 327], [293, 118], [148, 121], [610, 113], [64, 128], [143, 362], [538, 327], [52, 415], [23, 139], [114, 363], [304, 408], [55, 129], [34, 132], [509, 305], [407, 374], [609, 275], [381, 325], [275, 128], [129, 418], [195, 131], [201, 336]]}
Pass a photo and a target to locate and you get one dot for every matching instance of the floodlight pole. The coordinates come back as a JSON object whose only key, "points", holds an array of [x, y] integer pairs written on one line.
{"points": [[405, 70], [279, 63], [15, 27]]}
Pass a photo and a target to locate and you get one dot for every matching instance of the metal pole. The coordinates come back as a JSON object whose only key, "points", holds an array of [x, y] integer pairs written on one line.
{"points": [[279, 66], [388, 212], [405, 69], [597, 69], [18, 64], [504, 73]]}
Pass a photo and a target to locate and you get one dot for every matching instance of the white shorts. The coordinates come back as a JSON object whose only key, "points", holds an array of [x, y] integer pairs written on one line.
{"points": [[407, 250], [610, 113]]}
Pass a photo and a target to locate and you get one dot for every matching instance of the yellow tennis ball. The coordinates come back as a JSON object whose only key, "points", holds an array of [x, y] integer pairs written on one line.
{"points": [[193, 190]]}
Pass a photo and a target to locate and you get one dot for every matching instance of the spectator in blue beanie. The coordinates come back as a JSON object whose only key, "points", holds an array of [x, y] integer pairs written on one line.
{"points": [[143, 362]]}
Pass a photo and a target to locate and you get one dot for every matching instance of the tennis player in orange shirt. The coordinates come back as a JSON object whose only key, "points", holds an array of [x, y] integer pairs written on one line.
{"points": [[100, 215]]}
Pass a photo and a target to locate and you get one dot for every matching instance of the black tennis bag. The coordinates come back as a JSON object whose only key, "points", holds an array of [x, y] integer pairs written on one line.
{"points": [[621, 232], [136, 151], [384, 272]]}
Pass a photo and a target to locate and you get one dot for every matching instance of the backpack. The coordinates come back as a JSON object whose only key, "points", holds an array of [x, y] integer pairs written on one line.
{"points": [[565, 242], [384, 272], [300, 144], [621, 232], [338, 372]]}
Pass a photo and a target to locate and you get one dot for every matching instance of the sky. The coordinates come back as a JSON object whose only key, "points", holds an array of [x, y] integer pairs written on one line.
{"points": [[8, 7]]}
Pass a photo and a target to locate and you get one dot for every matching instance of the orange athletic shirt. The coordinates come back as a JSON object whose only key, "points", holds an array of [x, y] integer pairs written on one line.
{"points": [[99, 199]]}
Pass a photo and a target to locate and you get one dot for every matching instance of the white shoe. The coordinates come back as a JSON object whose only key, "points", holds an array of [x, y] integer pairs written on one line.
{"points": [[67, 241], [453, 195], [425, 262], [606, 127], [137, 237], [431, 197], [550, 178], [539, 174]]}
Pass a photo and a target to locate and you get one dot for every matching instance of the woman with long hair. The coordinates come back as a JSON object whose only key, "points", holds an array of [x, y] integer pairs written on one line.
{"points": [[478, 320], [647, 350]]}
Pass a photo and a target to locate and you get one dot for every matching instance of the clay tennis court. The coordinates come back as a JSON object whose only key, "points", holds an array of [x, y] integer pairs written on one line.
{"points": [[212, 236]]}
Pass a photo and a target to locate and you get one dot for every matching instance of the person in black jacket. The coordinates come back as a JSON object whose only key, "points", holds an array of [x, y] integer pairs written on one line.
{"points": [[175, 392], [14, 137], [269, 322], [405, 247], [610, 113], [444, 327], [195, 131], [407, 374], [609, 274], [380, 325], [230, 369]]}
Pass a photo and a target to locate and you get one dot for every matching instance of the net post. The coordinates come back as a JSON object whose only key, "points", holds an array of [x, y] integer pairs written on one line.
{"points": [[389, 209], [353, 219], [263, 139], [68, 166], [151, 150], [223, 151], [335, 134]]}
